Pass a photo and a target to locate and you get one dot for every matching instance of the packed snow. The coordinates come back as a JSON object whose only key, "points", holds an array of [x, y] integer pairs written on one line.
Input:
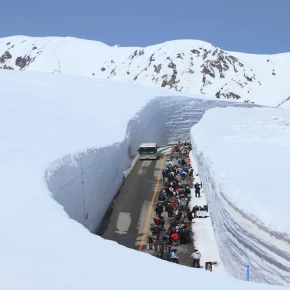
{"points": [[204, 236], [189, 66], [243, 164], [60, 131]]}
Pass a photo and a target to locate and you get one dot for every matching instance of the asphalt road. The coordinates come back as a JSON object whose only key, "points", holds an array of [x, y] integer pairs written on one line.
{"points": [[128, 219]]}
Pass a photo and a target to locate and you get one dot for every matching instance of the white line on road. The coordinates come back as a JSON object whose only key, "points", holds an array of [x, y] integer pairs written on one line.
{"points": [[123, 222], [144, 166]]}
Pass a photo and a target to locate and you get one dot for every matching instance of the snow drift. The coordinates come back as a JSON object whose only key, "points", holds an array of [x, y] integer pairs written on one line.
{"points": [[243, 164], [190, 66], [54, 129]]}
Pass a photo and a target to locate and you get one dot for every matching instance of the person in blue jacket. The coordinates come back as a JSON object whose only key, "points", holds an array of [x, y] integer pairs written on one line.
{"points": [[163, 173], [174, 256]]}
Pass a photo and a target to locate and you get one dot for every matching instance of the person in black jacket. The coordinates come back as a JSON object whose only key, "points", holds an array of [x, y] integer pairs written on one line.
{"points": [[197, 190], [189, 215], [159, 210], [170, 209], [187, 190]]}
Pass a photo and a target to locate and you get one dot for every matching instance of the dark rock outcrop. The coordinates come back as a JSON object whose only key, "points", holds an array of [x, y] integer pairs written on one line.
{"points": [[227, 95], [208, 71], [157, 68], [8, 67], [171, 82], [6, 55], [151, 59], [24, 61], [195, 51], [172, 65]]}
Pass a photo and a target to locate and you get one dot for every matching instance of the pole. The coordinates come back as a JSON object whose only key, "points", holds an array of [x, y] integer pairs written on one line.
{"points": [[248, 272], [83, 187]]}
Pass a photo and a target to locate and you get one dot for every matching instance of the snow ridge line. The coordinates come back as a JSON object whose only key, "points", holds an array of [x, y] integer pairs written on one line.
{"points": [[283, 102], [191, 66]]}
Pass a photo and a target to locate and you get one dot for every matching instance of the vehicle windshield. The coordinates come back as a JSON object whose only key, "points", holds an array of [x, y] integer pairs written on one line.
{"points": [[147, 150]]}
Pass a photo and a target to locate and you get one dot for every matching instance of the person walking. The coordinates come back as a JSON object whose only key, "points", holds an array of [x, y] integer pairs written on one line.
{"points": [[189, 215], [163, 174], [174, 204], [150, 242], [175, 238], [174, 256], [183, 183], [182, 237], [160, 251], [197, 190], [168, 252], [190, 172], [194, 211], [159, 210], [196, 259], [187, 235], [187, 190], [170, 209], [183, 204]]}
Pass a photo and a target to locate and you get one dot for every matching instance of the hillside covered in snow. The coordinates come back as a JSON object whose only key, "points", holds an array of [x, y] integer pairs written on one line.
{"points": [[189, 66]]}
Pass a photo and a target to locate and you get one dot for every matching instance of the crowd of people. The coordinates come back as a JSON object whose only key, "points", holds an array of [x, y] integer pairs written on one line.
{"points": [[174, 198]]}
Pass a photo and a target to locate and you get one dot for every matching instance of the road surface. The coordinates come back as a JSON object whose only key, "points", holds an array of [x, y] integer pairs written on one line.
{"points": [[128, 219]]}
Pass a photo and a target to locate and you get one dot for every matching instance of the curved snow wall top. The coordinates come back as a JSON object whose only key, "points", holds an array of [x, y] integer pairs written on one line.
{"points": [[241, 241], [86, 183]]}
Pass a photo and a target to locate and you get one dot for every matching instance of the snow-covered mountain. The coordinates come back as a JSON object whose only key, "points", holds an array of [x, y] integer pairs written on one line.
{"points": [[190, 66]]}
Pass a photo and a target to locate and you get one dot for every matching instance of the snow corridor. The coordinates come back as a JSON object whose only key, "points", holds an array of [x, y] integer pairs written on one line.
{"points": [[85, 183]]}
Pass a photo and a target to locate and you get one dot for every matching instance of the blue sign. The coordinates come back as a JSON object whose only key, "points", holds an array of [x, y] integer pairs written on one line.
{"points": [[87, 216], [248, 272]]}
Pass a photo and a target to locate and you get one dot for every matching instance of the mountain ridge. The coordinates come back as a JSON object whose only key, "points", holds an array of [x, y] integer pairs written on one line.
{"points": [[190, 66]]}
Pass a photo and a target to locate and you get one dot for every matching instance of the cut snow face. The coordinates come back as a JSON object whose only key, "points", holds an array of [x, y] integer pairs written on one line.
{"points": [[53, 124], [189, 66], [162, 119], [244, 167]]}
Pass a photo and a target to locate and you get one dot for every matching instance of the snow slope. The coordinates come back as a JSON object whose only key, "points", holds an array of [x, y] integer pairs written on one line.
{"points": [[54, 126], [246, 182], [190, 66]]}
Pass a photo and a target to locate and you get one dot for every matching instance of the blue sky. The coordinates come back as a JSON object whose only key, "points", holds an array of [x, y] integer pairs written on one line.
{"points": [[253, 26]]}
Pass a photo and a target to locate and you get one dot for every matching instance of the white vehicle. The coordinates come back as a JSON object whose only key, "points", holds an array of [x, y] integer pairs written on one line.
{"points": [[202, 214], [148, 151]]}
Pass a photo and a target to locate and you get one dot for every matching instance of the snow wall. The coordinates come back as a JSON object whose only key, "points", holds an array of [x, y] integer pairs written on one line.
{"points": [[86, 183], [239, 237]]}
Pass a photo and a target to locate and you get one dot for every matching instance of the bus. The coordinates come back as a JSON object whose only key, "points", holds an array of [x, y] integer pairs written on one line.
{"points": [[147, 151]]}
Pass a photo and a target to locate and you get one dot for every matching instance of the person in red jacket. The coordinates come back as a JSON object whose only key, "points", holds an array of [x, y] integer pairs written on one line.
{"points": [[175, 238]]}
